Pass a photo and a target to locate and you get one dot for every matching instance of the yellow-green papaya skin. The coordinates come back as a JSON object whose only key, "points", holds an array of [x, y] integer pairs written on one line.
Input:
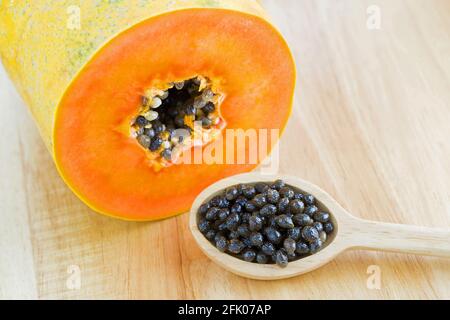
{"points": [[44, 44]]}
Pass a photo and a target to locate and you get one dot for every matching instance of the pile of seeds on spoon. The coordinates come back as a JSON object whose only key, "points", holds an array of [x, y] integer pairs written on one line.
{"points": [[265, 223], [166, 118]]}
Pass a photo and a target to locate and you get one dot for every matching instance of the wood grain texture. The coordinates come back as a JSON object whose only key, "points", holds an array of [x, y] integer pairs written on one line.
{"points": [[370, 126]]}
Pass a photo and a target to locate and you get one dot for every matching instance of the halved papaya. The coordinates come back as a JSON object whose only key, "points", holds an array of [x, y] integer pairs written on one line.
{"points": [[109, 96]]}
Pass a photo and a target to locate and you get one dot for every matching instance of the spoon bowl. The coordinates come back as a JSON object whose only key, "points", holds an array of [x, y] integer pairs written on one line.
{"points": [[349, 232]]}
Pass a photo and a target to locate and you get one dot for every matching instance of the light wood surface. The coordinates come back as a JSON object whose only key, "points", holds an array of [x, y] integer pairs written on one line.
{"points": [[370, 126], [349, 233]]}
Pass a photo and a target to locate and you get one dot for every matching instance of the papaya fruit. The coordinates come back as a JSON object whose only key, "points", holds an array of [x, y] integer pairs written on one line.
{"points": [[111, 83]]}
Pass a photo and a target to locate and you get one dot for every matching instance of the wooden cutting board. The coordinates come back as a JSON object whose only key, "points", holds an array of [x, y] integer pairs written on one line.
{"points": [[370, 126]]}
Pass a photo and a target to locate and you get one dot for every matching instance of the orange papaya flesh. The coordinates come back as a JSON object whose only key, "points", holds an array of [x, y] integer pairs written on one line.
{"points": [[243, 55]]}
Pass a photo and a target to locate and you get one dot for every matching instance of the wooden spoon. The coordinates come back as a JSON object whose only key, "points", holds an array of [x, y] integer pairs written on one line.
{"points": [[350, 233]]}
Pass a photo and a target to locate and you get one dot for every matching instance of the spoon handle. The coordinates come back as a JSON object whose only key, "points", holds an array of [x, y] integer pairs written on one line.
{"points": [[402, 238]]}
